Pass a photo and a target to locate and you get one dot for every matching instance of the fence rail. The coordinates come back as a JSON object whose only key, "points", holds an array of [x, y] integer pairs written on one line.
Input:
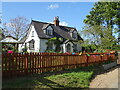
{"points": [[18, 64]]}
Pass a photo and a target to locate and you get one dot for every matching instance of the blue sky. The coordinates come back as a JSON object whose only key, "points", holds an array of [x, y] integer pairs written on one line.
{"points": [[70, 13]]}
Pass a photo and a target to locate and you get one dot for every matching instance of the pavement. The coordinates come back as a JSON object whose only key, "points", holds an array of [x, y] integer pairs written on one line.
{"points": [[110, 79]]}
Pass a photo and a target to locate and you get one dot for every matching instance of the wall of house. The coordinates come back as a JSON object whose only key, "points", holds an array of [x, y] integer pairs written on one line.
{"points": [[29, 38], [79, 47], [20, 47], [43, 45]]}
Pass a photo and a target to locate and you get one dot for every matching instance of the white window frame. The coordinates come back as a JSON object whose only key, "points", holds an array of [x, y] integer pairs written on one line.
{"points": [[74, 34], [32, 45], [32, 33], [49, 31]]}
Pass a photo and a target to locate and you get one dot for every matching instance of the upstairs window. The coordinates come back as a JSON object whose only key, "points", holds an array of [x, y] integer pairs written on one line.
{"points": [[32, 33], [49, 31], [74, 35]]}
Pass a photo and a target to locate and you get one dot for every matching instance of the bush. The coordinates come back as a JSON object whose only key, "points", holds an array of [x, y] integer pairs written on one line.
{"points": [[52, 51], [24, 49]]}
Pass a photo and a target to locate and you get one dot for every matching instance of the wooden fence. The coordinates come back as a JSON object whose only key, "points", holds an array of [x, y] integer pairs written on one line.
{"points": [[18, 64]]}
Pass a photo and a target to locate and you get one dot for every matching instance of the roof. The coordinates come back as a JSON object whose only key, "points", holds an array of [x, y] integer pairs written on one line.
{"points": [[9, 39], [59, 31]]}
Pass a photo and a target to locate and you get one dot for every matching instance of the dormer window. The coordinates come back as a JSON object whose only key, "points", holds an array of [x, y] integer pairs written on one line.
{"points": [[74, 35], [49, 31], [32, 33]]}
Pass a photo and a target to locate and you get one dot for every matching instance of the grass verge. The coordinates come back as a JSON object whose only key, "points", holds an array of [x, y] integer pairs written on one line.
{"points": [[69, 78]]}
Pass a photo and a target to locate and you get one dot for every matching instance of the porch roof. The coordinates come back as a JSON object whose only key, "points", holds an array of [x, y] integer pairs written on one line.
{"points": [[9, 39]]}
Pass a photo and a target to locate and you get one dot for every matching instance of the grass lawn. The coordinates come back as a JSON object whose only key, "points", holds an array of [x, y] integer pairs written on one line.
{"points": [[69, 78]]}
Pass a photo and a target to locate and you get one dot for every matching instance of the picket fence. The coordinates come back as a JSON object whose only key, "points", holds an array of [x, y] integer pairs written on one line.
{"points": [[19, 64]]}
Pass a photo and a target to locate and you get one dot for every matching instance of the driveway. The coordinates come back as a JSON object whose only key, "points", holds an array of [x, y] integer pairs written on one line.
{"points": [[110, 79]]}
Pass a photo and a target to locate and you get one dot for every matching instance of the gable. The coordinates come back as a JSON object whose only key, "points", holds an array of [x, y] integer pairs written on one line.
{"points": [[32, 34]]}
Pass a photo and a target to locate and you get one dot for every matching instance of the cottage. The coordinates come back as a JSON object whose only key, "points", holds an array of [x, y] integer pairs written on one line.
{"points": [[39, 33]]}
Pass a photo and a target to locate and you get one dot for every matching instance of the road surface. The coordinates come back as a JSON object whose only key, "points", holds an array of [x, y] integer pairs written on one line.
{"points": [[110, 79]]}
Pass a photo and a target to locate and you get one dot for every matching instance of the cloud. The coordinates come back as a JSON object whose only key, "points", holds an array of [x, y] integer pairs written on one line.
{"points": [[53, 6], [61, 23], [64, 23]]}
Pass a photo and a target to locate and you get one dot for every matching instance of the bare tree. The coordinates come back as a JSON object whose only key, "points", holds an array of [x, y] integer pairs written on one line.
{"points": [[16, 27]]}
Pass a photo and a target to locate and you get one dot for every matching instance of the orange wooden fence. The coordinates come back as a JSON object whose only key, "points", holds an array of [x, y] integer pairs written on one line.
{"points": [[18, 64]]}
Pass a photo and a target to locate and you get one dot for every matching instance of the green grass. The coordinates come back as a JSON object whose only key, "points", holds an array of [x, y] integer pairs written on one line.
{"points": [[73, 79], [69, 78]]}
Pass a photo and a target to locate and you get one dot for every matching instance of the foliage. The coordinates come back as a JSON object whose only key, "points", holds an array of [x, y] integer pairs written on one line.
{"points": [[52, 51], [116, 47], [24, 49], [16, 27], [0, 33], [54, 41], [7, 47], [100, 50], [101, 24], [104, 13], [98, 37]]}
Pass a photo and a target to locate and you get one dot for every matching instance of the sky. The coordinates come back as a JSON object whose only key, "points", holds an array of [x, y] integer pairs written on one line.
{"points": [[70, 14]]}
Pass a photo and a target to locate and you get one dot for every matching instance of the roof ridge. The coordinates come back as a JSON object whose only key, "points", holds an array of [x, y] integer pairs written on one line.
{"points": [[41, 22], [52, 24]]}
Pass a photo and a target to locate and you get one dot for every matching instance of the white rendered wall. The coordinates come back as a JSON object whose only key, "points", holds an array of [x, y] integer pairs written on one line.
{"points": [[29, 38], [79, 47], [43, 45]]}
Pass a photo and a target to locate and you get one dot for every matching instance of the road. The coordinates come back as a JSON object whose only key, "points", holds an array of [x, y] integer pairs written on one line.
{"points": [[110, 79]]}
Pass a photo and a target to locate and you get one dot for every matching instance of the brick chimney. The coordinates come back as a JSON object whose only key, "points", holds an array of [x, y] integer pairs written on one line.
{"points": [[56, 21]]}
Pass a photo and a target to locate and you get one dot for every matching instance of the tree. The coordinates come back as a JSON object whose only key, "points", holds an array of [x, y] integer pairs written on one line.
{"points": [[94, 33], [101, 23], [0, 33], [16, 27], [104, 13]]}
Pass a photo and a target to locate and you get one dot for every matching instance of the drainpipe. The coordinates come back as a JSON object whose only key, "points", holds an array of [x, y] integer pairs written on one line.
{"points": [[64, 48]]}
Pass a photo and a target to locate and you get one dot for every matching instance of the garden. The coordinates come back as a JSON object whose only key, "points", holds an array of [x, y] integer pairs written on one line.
{"points": [[68, 78]]}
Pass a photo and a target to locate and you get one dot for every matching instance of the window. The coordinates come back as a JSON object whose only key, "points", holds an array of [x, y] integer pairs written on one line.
{"points": [[75, 47], [31, 44], [74, 35], [68, 48], [49, 31], [32, 33]]}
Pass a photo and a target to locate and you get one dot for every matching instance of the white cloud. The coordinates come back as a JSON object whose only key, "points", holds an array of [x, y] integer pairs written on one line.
{"points": [[61, 23], [53, 6]]}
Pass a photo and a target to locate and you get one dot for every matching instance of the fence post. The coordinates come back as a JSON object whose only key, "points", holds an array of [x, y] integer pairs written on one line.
{"points": [[26, 64], [87, 63], [101, 59]]}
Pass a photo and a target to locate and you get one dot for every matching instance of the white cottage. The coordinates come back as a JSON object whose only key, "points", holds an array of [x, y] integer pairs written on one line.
{"points": [[40, 32]]}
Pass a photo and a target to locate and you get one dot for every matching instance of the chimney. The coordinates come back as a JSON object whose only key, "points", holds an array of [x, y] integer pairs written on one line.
{"points": [[56, 21]]}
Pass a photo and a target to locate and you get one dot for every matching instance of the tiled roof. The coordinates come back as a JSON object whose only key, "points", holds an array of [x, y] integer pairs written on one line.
{"points": [[59, 31]]}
